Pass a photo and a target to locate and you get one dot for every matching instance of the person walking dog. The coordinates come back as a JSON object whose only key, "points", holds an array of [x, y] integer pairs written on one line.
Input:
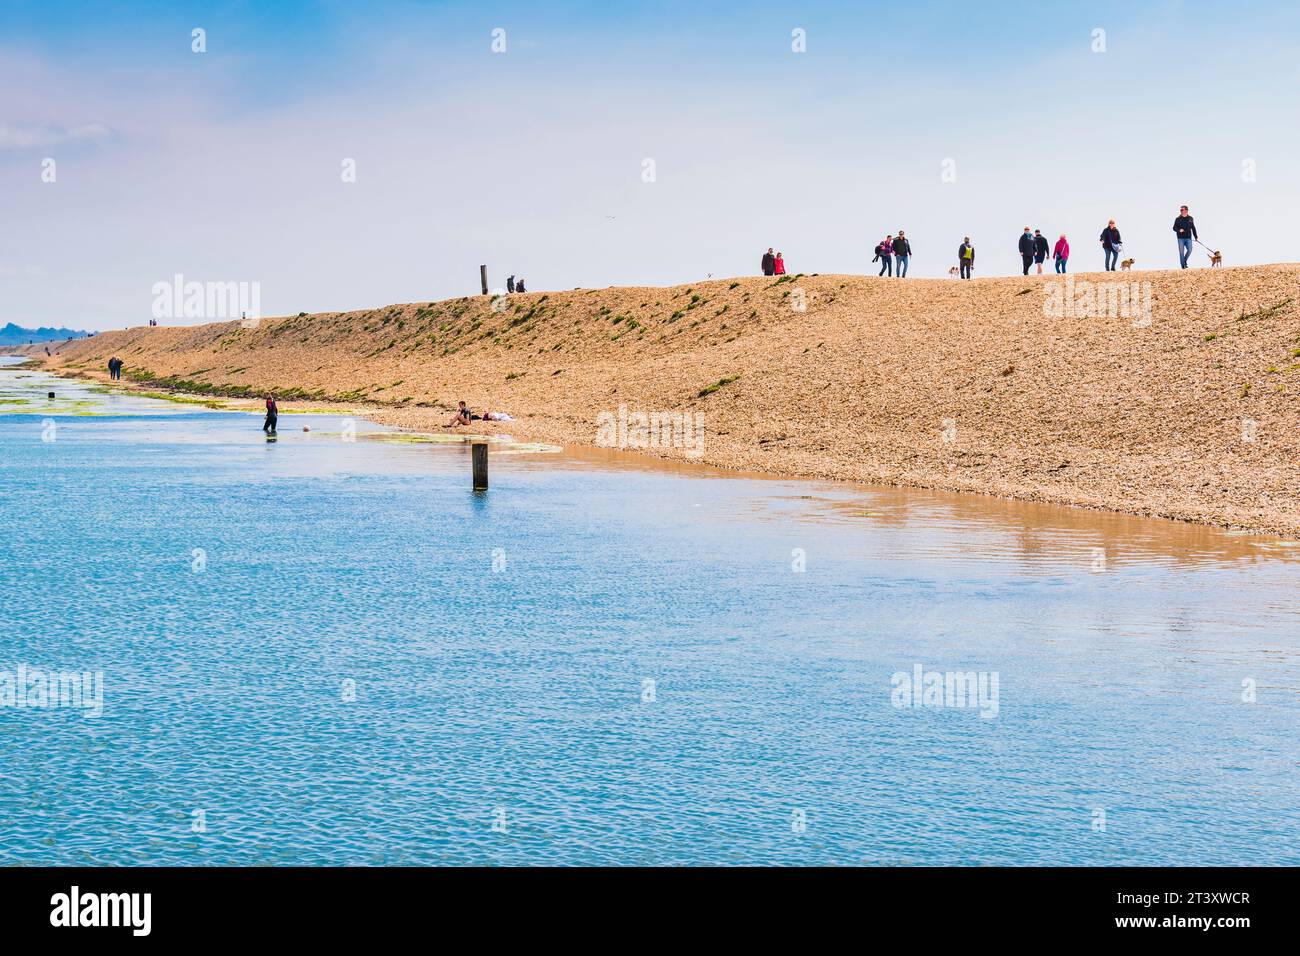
{"points": [[1110, 244], [1185, 230], [966, 257]]}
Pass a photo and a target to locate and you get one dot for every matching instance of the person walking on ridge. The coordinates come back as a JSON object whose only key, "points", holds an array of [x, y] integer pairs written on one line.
{"points": [[1185, 230], [1061, 253], [1110, 244], [1027, 249], [778, 264], [886, 252], [902, 253], [769, 262], [966, 257], [1040, 249]]}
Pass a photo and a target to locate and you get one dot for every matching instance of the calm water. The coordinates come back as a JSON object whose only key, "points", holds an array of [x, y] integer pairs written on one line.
{"points": [[343, 677]]}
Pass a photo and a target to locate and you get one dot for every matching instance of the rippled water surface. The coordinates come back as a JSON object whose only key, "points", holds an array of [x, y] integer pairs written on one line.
{"points": [[329, 652]]}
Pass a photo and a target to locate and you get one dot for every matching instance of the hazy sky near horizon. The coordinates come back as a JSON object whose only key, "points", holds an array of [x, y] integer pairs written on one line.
{"points": [[225, 166]]}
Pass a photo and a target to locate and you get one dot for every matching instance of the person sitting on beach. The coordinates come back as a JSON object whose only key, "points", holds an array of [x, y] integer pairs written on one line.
{"points": [[778, 264], [519, 285], [463, 415], [272, 415], [498, 417]]}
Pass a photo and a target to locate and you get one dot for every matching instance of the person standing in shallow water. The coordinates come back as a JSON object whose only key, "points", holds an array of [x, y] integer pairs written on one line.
{"points": [[272, 415]]}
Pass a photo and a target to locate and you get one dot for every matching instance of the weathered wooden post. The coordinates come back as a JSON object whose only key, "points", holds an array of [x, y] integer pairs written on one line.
{"points": [[482, 275], [479, 453]]}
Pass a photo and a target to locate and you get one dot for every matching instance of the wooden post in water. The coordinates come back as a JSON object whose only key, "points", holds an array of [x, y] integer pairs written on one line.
{"points": [[482, 276], [479, 453]]}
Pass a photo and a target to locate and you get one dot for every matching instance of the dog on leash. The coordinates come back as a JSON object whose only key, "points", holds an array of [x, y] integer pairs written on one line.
{"points": [[953, 272], [1216, 260], [1126, 265]]}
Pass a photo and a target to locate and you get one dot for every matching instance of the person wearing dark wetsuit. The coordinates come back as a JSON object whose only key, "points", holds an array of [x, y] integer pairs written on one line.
{"points": [[272, 415]]}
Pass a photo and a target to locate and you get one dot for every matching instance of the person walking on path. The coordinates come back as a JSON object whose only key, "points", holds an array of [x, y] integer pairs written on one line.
{"points": [[1185, 230], [966, 257], [272, 415], [778, 264], [886, 252], [1027, 248], [1061, 253], [769, 262], [1040, 249], [902, 253], [1110, 244]]}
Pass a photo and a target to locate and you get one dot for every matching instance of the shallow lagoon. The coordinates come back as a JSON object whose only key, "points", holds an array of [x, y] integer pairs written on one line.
{"points": [[644, 678]]}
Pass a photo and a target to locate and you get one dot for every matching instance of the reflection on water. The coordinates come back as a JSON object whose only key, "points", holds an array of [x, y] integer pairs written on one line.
{"points": [[603, 660]]}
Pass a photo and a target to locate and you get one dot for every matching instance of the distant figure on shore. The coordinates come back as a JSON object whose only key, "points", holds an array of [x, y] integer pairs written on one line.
{"points": [[1040, 249], [272, 415], [1027, 248], [769, 262], [510, 284], [115, 368], [1185, 230], [1110, 244], [463, 415], [966, 257], [519, 285], [47, 350], [1061, 253], [902, 253], [778, 264], [886, 253]]}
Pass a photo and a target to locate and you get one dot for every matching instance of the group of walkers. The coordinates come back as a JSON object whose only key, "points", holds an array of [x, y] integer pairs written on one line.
{"points": [[114, 368], [893, 248], [894, 252], [515, 285], [773, 265]]}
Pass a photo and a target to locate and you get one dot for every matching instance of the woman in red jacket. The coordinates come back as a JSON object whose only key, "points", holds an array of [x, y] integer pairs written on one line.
{"points": [[780, 264], [1061, 253]]}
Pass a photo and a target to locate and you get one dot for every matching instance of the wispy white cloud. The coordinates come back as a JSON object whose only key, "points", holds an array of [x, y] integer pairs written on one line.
{"points": [[43, 136]]}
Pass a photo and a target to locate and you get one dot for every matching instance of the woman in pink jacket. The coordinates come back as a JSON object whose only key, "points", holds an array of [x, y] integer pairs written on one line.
{"points": [[1061, 253]]}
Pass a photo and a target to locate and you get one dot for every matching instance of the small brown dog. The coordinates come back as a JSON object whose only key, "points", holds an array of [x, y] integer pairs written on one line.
{"points": [[1126, 265], [1216, 260]]}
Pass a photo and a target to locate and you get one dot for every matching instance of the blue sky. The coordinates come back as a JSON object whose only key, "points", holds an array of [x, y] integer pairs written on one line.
{"points": [[225, 166]]}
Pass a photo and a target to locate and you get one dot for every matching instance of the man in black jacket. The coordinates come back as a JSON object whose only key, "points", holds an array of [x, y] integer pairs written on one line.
{"points": [[1185, 230], [1027, 248], [1040, 249], [769, 263], [902, 253]]}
